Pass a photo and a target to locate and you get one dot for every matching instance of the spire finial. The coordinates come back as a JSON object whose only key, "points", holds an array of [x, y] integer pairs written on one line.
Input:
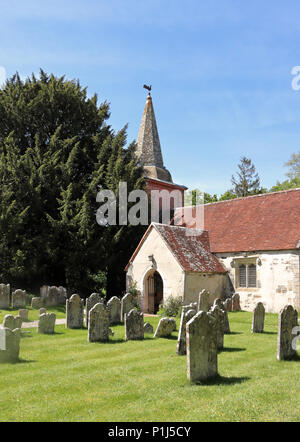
{"points": [[149, 88]]}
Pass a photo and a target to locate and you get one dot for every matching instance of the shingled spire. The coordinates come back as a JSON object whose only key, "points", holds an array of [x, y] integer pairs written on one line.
{"points": [[148, 146]]}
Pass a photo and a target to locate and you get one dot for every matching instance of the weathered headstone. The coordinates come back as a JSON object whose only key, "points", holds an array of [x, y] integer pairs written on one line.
{"points": [[181, 343], [36, 303], [165, 328], [90, 302], [114, 309], [52, 298], [287, 320], [201, 347], [62, 295], [44, 291], [203, 302], [23, 313], [46, 324], [148, 328], [258, 318], [218, 302], [42, 310], [228, 304], [12, 322], [4, 296], [219, 316], [9, 344], [127, 304], [74, 312], [98, 324], [134, 325], [19, 298], [236, 303]]}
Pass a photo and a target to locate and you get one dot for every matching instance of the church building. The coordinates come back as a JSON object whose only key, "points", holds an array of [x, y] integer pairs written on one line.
{"points": [[249, 246]]}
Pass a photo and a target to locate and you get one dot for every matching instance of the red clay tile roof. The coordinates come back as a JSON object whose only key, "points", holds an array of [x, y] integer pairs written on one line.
{"points": [[191, 251], [262, 222]]}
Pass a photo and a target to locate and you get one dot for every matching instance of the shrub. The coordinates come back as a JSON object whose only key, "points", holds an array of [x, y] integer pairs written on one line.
{"points": [[171, 307]]}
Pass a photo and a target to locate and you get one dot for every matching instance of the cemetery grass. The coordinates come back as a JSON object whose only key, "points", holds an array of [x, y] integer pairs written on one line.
{"points": [[64, 378], [33, 315]]}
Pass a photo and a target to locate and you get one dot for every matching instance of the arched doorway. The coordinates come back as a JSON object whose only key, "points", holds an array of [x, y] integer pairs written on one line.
{"points": [[154, 292]]}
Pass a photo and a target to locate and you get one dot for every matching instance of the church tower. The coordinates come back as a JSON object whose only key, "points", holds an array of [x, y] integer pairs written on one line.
{"points": [[149, 154]]}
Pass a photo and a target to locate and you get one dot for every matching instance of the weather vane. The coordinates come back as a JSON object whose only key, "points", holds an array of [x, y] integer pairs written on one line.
{"points": [[149, 88]]}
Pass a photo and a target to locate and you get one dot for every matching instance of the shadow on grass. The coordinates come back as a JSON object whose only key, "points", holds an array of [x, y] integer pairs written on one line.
{"points": [[168, 338], [222, 380], [266, 333], [231, 349], [234, 333]]}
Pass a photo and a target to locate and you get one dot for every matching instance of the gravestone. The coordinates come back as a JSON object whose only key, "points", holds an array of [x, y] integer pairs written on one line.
{"points": [[46, 323], [9, 344], [258, 318], [4, 296], [218, 302], [98, 324], [134, 325], [44, 291], [12, 322], [114, 309], [127, 304], [36, 303], [181, 343], [219, 316], [287, 320], [90, 302], [148, 328], [74, 312], [23, 313], [62, 295], [52, 298], [201, 347], [42, 311], [228, 304], [19, 298], [165, 328], [236, 303], [203, 302]]}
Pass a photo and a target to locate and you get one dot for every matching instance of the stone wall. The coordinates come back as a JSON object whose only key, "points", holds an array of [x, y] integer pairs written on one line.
{"points": [[278, 279]]}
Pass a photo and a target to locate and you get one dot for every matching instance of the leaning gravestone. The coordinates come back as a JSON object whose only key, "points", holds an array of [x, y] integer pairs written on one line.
{"points": [[90, 302], [36, 303], [219, 316], [134, 325], [52, 298], [12, 322], [4, 296], [221, 305], [236, 303], [201, 347], [74, 312], [287, 320], [9, 344], [148, 328], [114, 310], [98, 324], [46, 324], [181, 343], [203, 302], [19, 298], [165, 328], [258, 318], [127, 304]]}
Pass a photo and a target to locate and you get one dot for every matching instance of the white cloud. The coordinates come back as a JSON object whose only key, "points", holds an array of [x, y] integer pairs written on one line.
{"points": [[2, 75]]}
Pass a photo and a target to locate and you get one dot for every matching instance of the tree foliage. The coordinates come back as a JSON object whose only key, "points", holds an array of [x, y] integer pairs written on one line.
{"points": [[57, 151], [247, 181], [294, 166]]}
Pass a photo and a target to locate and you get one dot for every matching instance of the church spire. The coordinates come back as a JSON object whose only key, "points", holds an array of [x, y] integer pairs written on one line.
{"points": [[148, 145]]}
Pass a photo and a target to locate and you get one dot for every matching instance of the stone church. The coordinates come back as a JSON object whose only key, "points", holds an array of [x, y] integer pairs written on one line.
{"points": [[249, 246]]}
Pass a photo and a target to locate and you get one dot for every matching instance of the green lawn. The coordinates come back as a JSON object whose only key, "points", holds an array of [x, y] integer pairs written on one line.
{"points": [[33, 315], [65, 378]]}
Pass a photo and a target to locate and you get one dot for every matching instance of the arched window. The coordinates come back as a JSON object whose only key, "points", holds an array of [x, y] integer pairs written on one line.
{"points": [[242, 276]]}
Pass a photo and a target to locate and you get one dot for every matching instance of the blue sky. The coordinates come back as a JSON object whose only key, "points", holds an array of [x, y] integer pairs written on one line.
{"points": [[220, 71]]}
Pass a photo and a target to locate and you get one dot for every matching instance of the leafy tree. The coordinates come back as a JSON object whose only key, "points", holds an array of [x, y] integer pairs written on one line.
{"points": [[286, 185], [294, 166], [56, 152], [247, 181], [228, 195]]}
